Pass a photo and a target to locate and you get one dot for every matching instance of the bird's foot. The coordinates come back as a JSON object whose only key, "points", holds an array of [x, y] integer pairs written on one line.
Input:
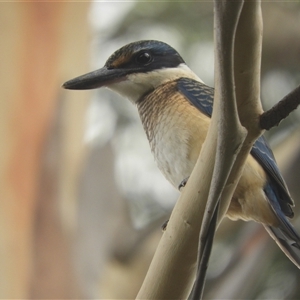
{"points": [[164, 225], [183, 183]]}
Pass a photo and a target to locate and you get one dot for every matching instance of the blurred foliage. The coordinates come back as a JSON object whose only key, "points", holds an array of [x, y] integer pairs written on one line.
{"points": [[173, 15]]}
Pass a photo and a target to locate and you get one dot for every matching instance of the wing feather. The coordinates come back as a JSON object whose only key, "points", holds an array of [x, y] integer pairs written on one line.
{"points": [[201, 96]]}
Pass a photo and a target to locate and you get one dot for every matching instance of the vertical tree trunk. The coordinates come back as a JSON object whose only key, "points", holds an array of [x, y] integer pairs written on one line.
{"points": [[35, 48]]}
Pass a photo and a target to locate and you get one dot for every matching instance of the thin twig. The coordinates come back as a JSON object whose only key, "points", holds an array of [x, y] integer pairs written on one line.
{"points": [[198, 287], [281, 110]]}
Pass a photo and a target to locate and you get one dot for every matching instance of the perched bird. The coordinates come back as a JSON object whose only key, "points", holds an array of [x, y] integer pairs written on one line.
{"points": [[175, 107]]}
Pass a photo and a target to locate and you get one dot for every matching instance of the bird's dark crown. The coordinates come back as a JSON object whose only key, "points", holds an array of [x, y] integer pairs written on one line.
{"points": [[138, 58], [144, 56]]}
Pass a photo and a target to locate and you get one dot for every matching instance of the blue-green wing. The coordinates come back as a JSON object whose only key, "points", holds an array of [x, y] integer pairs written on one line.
{"points": [[201, 96]]}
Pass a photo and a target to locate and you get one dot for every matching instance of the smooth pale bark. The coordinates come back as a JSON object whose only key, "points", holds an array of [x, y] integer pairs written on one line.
{"points": [[231, 134]]}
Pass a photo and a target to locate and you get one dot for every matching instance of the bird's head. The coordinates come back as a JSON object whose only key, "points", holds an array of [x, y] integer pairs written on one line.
{"points": [[135, 69]]}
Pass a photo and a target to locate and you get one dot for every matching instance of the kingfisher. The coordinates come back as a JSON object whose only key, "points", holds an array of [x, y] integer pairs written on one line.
{"points": [[175, 107]]}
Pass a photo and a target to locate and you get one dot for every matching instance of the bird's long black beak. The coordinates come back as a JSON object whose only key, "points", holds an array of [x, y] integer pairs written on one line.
{"points": [[95, 79]]}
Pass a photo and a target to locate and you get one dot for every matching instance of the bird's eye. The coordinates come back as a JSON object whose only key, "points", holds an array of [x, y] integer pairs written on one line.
{"points": [[144, 58]]}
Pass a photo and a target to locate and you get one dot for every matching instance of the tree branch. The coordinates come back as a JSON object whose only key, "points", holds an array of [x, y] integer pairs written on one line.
{"points": [[281, 110], [203, 259], [220, 163], [230, 132], [234, 142], [172, 270]]}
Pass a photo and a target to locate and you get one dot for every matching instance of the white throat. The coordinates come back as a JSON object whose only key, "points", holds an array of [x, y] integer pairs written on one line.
{"points": [[138, 84]]}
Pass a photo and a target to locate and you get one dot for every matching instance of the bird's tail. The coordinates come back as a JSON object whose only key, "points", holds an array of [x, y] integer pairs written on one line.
{"points": [[284, 233], [286, 238]]}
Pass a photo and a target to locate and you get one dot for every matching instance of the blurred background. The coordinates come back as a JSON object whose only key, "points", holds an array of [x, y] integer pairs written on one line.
{"points": [[82, 201]]}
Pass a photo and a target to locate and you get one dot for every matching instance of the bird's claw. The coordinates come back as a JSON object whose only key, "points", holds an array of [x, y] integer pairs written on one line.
{"points": [[164, 225], [183, 183]]}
